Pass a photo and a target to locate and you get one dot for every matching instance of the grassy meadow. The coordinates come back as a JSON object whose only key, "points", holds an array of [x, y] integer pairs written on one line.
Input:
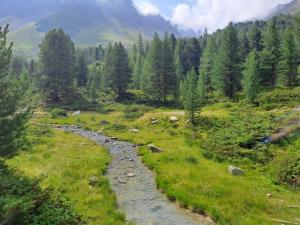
{"points": [[64, 163], [193, 168]]}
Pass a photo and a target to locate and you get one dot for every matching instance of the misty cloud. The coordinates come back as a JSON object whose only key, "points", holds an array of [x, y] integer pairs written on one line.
{"points": [[146, 7], [214, 14]]}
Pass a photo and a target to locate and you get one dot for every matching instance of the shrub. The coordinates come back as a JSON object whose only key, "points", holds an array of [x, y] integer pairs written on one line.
{"points": [[56, 113], [289, 171], [132, 112]]}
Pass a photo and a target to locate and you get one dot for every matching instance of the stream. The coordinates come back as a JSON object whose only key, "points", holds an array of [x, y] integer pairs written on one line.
{"points": [[135, 187]]}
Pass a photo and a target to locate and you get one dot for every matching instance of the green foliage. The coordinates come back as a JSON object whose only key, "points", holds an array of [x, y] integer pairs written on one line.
{"points": [[289, 59], [226, 77], [192, 96], [252, 76], [289, 171], [132, 112], [15, 106], [23, 202], [270, 54], [57, 59], [58, 112], [117, 70]]}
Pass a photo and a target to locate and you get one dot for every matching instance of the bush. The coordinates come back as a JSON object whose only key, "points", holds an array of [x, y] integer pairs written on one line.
{"points": [[22, 202], [132, 112], [289, 171], [56, 113]]}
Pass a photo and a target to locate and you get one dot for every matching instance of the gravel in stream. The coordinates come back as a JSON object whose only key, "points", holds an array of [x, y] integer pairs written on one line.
{"points": [[135, 187]]}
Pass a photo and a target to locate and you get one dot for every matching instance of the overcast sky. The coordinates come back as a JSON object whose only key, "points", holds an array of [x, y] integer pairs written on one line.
{"points": [[210, 14]]}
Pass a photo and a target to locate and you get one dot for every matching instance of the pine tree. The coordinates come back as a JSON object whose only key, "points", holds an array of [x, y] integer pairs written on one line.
{"points": [[271, 54], [169, 70], [93, 90], [288, 62], [155, 60], [138, 63], [118, 70], [191, 96], [173, 42], [255, 38], [251, 76], [227, 74], [14, 110], [58, 64], [82, 71], [207, 62]]}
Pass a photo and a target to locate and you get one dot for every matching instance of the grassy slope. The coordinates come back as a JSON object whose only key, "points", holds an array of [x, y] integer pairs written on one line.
{"points": [[65, 163], [194, 181]]}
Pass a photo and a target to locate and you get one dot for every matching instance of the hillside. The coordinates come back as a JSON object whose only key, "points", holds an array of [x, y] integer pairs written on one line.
{"points": [[289, 8], [88, 23]]}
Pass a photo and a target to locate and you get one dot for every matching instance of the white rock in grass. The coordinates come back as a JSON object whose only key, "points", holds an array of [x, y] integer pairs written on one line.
{"points": [[174, 119], [235, 171]]}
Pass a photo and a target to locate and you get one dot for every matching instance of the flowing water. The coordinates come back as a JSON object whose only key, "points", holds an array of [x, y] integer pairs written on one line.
{"points": [[135, 187]]}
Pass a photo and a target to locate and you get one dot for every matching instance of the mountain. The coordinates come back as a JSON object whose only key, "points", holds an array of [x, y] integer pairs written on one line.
{"points": [[288, 8], [88, 22]]}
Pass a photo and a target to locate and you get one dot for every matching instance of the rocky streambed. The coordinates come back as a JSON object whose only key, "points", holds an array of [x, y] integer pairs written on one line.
{"points": [[135, 188]]}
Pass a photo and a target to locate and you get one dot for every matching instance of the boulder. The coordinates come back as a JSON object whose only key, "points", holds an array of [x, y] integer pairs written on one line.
{"points": [[154, 149], [174, 119], [134, 130], [93, 181], [130, 175], [114, 138], [77, 113], [154, 122], [235, 171], [104, 122]]}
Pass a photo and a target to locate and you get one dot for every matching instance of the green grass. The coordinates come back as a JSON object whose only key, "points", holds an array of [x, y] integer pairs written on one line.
{"points": [[64, 163], [193, 168]]}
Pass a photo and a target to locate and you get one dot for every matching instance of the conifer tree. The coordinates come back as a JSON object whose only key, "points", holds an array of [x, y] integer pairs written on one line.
{"points": [[155, 60], [227, 74], [169, 70], [251, 76], [271, 54], [191, 95], [118, 70], [288, 62], [207, 62], [255, 38], [138, 64], [14, 108], [58, 64], [82, 74]]}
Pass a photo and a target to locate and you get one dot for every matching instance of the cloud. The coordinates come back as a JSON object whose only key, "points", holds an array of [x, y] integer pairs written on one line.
{"points": [[145, 7], [214, 14]]}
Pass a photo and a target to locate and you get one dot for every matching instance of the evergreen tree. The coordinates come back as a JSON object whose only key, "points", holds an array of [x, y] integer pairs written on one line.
{"points": [[14, 110], [58, 63], [169, 70], [173, 42], [93, 90], [191, 95], [244, 46], [207, 62], [118, 70], [82, 71], [138, 64], [251, 76], [192, 54], [255, 38], [271, 54], [226, 74], [155, 60], [288, 63]]}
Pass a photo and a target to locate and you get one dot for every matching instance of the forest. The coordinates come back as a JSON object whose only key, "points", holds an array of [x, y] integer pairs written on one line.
{"points": [[221, 99]]}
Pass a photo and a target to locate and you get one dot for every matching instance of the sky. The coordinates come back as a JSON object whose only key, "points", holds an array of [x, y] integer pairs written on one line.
{"points": [[199, 15]]}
